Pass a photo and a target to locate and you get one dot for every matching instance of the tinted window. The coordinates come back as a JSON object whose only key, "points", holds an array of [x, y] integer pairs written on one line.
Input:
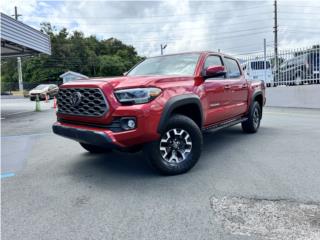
{"points": [[233, 69], [259, 65], [183, 64], [212, 60]]}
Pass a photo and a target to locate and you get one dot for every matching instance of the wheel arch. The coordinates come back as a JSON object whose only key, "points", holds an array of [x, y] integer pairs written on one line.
{"points": [[258, 96], [187, 104]]}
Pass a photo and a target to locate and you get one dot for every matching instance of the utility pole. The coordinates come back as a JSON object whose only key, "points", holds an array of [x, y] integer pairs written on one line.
{"points": [[162, 48], [265, 59], [275, 31], [16, 16]]}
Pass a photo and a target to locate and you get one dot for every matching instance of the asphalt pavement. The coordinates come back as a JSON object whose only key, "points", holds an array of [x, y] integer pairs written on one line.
{"points": [[15, 105], [245, 186]]}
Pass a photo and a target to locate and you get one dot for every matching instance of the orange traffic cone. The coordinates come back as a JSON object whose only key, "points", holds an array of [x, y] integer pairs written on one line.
{"points": [[54, 102]]}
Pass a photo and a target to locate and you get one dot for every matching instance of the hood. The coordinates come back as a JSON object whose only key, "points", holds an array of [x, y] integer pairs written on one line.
{"points": [[128, 81]]}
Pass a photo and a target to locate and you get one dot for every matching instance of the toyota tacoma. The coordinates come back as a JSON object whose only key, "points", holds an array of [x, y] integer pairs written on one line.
{"points": [[161, 105]]}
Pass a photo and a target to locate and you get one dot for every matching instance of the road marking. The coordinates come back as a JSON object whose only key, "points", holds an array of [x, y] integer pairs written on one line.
{"points": [[6, 175]]}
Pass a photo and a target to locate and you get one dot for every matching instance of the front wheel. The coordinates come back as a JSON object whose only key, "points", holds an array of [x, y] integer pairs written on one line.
{"points": [[178, 148], [252, 124], [94, 149]]}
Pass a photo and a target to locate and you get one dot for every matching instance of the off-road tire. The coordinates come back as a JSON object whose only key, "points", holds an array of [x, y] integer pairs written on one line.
{"points": [[190, 132], [253, 123], [95, 149]]}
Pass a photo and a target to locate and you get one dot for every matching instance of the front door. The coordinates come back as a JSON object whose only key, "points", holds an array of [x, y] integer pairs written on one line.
{"points": [[216, 93]]}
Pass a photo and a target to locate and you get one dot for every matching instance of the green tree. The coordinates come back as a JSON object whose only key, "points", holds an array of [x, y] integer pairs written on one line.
{"points": [[75, 52], [111, 65]]}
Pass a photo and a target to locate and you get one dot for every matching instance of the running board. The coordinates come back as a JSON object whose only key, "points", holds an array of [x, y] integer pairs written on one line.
{"points": [[226, 124]]}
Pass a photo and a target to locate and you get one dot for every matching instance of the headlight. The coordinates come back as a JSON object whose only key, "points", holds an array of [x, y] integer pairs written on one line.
{"points": [[137, 95]]}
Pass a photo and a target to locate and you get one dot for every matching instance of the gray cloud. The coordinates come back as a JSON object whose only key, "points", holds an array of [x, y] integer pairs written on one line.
{"points": [[232, 26]]}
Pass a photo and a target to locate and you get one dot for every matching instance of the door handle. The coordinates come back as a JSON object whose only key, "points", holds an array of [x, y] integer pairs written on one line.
{"points": [[244, 86], [226, 87]]}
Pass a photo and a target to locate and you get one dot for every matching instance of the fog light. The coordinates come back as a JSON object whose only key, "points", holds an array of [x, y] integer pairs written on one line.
{"points": [[128, 123], [131, 123]]}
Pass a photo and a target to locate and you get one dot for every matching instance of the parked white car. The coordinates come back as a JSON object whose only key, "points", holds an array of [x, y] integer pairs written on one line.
{"points": [[43, 90], [255, 70]]}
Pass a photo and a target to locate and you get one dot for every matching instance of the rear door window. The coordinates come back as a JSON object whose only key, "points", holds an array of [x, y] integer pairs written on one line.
{"points": [[233, 69]]}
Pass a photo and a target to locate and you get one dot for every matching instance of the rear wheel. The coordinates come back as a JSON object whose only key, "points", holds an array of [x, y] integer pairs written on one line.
{"points": [[178, 148], [94, 149], [253, 123]]}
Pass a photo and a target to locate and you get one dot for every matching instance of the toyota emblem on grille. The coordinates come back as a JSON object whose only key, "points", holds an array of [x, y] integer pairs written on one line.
{"points": [[75, 99]]}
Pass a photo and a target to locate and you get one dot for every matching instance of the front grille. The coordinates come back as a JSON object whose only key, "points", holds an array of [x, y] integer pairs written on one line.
{"points": [[92, 102]]}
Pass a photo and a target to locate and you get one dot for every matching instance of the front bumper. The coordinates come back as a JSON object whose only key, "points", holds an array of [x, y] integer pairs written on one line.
{"points": [[102, 136], [84, 136]]}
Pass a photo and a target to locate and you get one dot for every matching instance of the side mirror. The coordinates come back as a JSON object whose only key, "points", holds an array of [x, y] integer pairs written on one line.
{"points": [[215, 71], [125, 73]]}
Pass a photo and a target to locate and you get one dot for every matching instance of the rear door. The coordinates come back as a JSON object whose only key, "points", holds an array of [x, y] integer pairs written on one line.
{"points": [[236, 89], [215, 93]]}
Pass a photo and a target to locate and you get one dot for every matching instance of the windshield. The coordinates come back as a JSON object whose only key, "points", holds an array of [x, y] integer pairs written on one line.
{"points": [[183, 64], [259, 65], [41, 87]]}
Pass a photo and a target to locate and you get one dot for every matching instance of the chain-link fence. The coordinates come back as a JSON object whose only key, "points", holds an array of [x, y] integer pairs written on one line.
{"points": [[290, 67]]}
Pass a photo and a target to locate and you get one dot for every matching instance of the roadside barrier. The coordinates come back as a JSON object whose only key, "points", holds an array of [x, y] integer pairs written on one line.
{"points": [[38, 109]]}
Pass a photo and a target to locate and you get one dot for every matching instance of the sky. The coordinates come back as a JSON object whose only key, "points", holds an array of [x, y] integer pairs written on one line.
{"points": [[234, 27]]}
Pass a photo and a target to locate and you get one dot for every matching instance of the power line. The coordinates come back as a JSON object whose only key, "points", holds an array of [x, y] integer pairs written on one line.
{"points": [[200, 39], [183, 30], [150, 22], [151, 17], [170, 39], [223, 24], [262, 6]]}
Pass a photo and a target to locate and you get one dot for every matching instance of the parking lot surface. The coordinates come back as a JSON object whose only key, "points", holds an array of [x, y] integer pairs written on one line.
{"points": [[14, 105], [245, 186]]}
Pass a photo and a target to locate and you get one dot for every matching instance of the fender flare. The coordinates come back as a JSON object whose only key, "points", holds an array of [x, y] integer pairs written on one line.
{"points": [[257, 93], [176, 102]]}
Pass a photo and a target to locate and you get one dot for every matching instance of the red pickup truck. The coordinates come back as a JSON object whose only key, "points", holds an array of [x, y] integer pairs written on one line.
{"points": [[161, 105]]}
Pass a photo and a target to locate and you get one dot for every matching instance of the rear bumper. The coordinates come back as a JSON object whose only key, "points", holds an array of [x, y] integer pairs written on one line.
{"points": [[84, 136], [34, 97]]}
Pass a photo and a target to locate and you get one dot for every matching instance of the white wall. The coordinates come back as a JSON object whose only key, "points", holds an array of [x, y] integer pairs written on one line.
{"points": [[306, 96]]}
